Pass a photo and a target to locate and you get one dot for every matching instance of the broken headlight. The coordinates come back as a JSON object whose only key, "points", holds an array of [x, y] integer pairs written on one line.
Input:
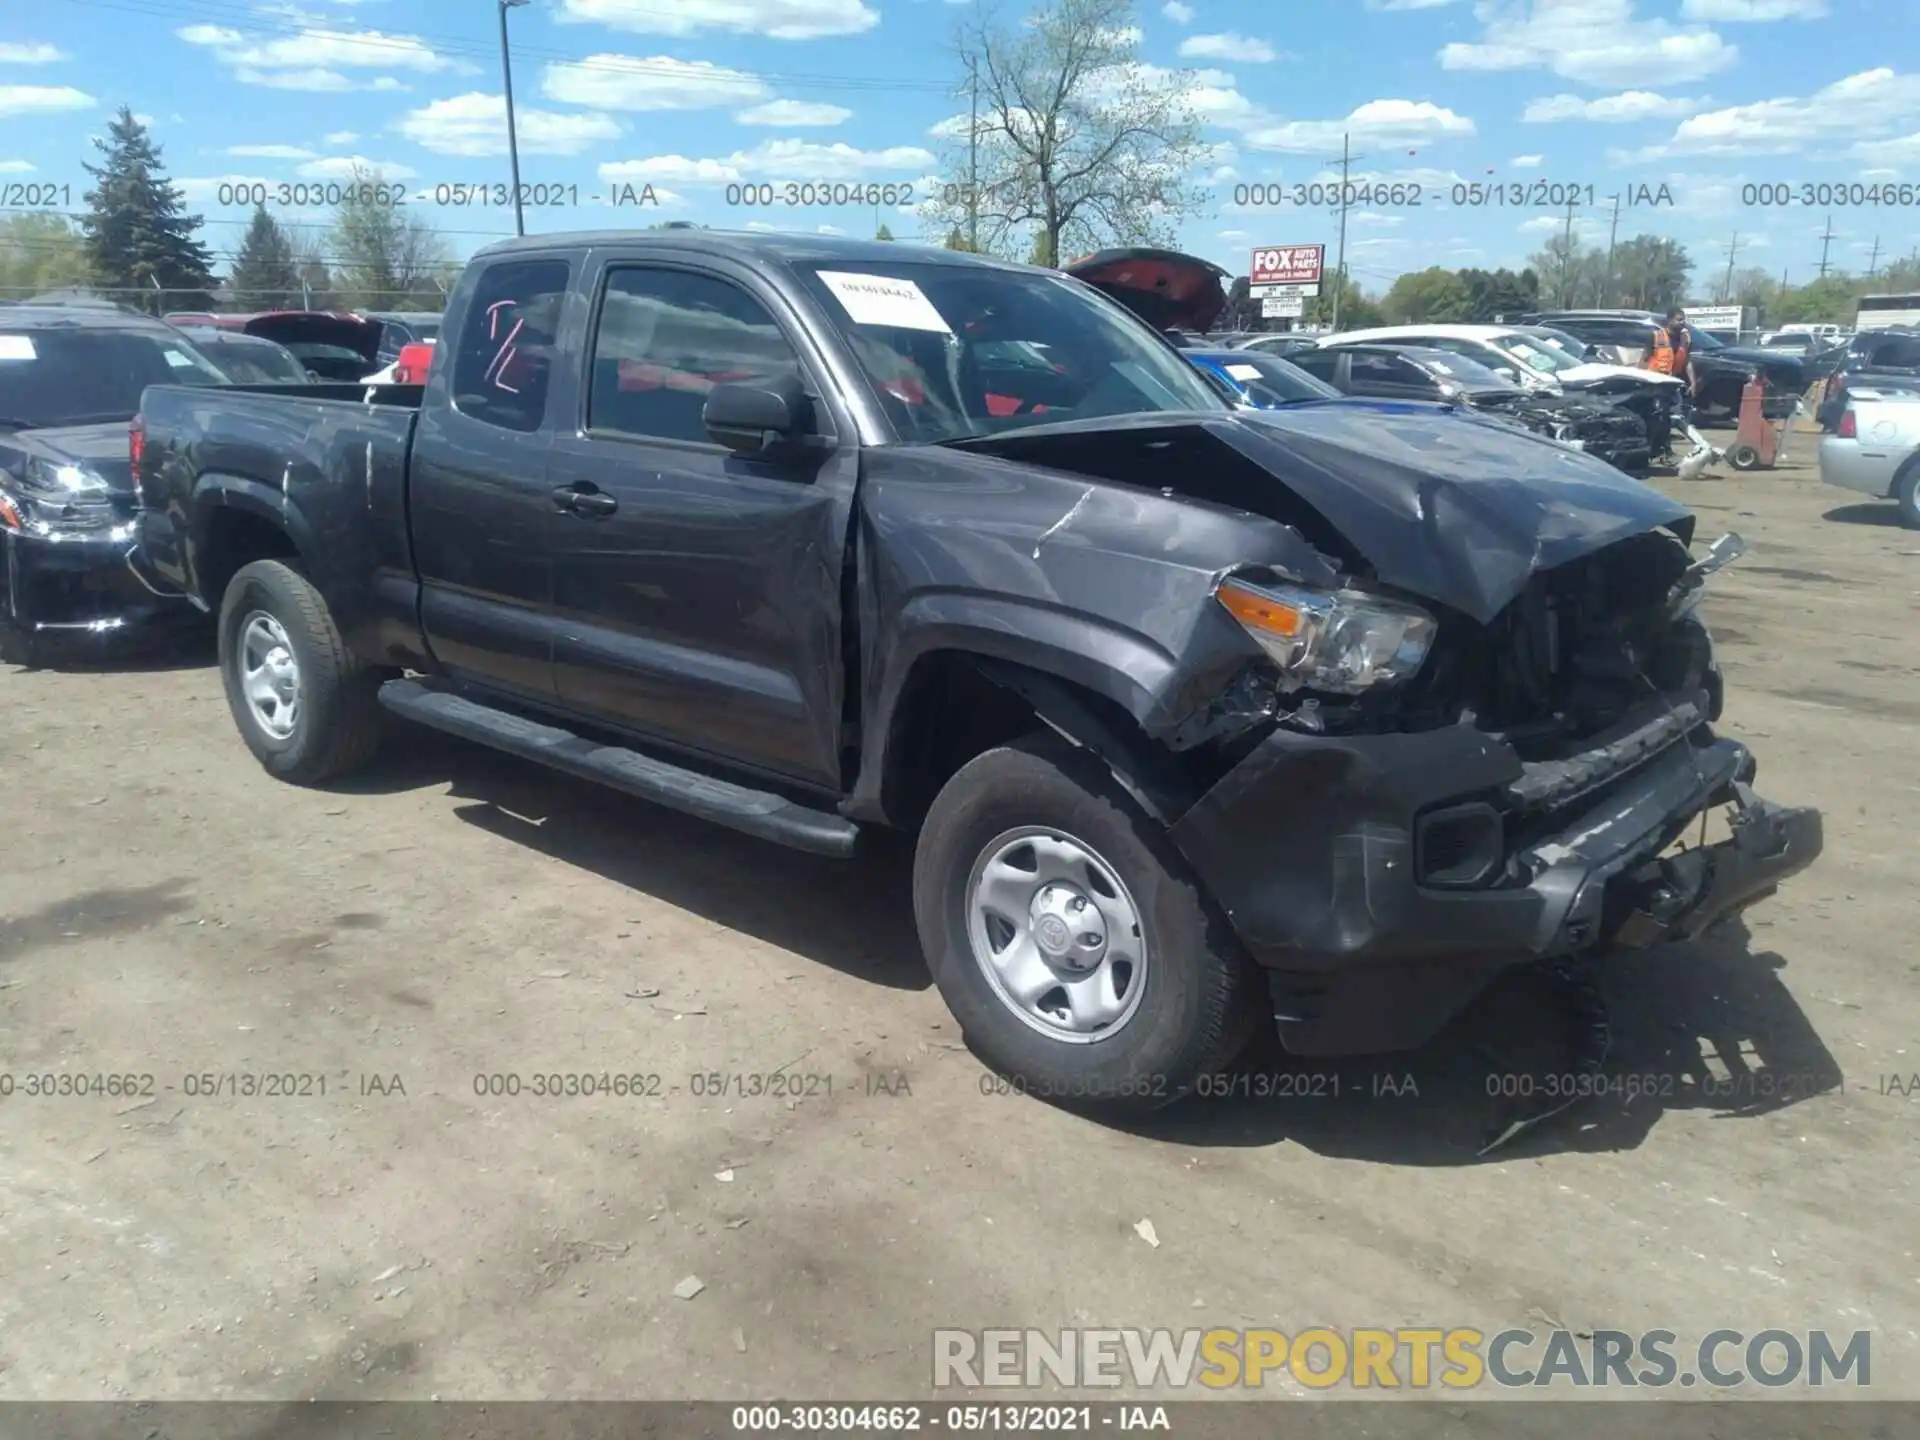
{"points": [[1564, 433], [1342, 641], [46, 497]]}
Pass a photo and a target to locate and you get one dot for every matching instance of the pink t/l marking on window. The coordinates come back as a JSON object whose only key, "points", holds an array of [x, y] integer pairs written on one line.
{"points": [[497, 370]]}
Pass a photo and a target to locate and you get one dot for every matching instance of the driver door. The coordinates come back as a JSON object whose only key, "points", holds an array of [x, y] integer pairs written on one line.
{"points": [[697, 593]]}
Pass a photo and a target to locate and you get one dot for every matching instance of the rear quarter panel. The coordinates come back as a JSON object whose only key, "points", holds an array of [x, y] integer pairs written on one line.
{"points": [[327, 471]]}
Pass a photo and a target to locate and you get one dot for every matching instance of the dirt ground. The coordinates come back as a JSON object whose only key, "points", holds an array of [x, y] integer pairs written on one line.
{"points": [[170, 911]]}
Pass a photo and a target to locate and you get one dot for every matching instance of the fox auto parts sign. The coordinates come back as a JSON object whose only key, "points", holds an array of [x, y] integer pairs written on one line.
{"points": [[1286, 265]]}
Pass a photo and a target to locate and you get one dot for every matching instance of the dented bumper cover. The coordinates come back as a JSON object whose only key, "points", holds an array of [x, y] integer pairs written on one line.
{"points": [[1384, 880]]}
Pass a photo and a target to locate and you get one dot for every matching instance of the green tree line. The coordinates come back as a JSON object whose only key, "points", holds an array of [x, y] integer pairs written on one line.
{"points": [[138, 244]]}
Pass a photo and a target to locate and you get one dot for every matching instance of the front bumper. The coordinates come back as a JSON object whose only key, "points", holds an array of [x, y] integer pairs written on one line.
{"points": [[1323, 853], [79, 583]]}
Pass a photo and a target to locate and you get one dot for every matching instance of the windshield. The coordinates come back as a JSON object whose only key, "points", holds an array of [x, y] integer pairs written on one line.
{"points": [[1534, 354], [1560, 340], [952, 352], [1462, 371], [74, 375], [1270, 382], [255, 364]]}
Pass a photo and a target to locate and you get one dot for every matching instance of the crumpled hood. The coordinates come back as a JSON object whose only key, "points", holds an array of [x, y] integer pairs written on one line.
{"points": [[99, 448], [1590, 375], [1167, 289], [1454, 508]]}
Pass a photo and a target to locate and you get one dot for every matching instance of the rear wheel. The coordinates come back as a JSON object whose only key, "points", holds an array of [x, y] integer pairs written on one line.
{"points": [[304, 703], [1906, 494], [1068, 937], [1743, 457]]}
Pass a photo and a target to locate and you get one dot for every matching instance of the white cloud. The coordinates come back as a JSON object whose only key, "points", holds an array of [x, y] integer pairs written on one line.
{"points": [[794, 112], [341, 137], [1234, 234], [1737, 12], [1583, 228], [17, 167], [621, 82], [1409, 4], [475, 124], [1527, 162], [43, 99], [1597, 42], [17, 53], [1867, 109], [346, 167], [1903, 150], [272, 152], [776, 19], [1619, 109], [1375, 219], [1378, 122], [315, 58], [144, 121], [1228, 46], [1180, 14], [777, 160]]}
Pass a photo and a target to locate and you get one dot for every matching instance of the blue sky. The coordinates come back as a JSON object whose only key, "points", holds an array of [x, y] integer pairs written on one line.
{"points": [[1703, 96]]}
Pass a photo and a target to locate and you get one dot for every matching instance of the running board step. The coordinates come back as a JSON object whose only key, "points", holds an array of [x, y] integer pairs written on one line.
{"points": [[755, 812]]}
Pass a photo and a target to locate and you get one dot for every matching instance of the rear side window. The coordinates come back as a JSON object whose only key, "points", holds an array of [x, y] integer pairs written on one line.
{"points": [[503, 365], [665, 339], [1901, 350], [1386, 370], [1321, 363]]}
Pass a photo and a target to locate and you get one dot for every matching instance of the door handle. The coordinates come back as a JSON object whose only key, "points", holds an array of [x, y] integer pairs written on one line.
{"points": [[585, 499]]}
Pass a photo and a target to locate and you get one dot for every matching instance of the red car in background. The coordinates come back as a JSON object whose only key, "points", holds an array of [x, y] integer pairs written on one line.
{"points": [[413, 362]]}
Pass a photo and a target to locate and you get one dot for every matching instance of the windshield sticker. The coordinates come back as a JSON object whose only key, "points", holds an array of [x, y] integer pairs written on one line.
{"points": [[1244, 372], [882, 300], [17, 347], [179, 360]]}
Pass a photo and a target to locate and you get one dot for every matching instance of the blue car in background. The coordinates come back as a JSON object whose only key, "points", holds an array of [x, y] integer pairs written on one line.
{"points": [[1263, 382]]}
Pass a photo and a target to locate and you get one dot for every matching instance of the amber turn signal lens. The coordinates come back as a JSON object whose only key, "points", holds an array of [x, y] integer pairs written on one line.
{"points": [[1259, 612]]}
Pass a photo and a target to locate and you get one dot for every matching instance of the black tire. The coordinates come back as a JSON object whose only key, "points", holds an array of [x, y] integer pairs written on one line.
{"points": [[1906, 494], [338, 725], [1202, 999], [1743, 457], [22, 648]]}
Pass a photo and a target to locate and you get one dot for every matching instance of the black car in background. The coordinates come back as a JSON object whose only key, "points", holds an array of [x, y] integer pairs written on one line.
{"points": [[248, 359], [1415, 372], [1723, 370], [400, 328], [1888, 359], [70, 381]]}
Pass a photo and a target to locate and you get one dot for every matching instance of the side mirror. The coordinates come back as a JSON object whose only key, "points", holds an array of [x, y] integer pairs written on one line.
{"points": [[755, 419]]}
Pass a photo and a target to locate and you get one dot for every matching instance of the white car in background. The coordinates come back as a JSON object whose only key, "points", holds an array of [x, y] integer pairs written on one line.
{"points": [[1874, 448], [1509, 350]]}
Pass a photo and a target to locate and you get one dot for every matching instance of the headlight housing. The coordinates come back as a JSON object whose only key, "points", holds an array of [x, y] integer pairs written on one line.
{"points": [[1343, 641], [46, 497], [1563, 432]]}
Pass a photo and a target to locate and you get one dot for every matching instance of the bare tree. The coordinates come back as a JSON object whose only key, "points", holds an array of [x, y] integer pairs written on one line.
{"points": [[384, 256], [1070, 142]]}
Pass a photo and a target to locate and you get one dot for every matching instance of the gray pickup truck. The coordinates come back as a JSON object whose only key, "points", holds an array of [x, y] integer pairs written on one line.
{"points": [[1200, 718]]}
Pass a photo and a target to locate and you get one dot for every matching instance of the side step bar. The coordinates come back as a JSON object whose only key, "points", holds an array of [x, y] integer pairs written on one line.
{"points": [[755, 812]]}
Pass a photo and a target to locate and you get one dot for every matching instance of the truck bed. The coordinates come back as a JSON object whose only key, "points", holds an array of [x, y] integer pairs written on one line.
{"points": [[327, 462]]}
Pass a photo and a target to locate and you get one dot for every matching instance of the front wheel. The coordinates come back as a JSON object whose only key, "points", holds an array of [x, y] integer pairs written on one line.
{"points": [[1743, 457], [304, 702], [1069, 938], [1906, 494]]}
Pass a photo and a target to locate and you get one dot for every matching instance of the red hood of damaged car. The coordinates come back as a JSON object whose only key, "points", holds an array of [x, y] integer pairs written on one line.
{"points": [[1167, 289]]}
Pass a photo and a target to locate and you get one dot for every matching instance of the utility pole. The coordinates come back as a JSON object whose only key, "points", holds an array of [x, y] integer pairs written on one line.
{"points": [[1733, 249], [1825, 241], [513, 140], [973, 152], [1613, 235], [1873, 265], [1340, 265]]}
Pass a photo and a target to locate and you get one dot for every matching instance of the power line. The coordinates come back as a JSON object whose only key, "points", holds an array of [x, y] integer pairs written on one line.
{"points": [[252, 20]]}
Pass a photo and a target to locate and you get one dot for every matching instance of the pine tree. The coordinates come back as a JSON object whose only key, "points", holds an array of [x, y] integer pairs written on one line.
{"points": [[883, 233], [265, 275], [138, 234]]}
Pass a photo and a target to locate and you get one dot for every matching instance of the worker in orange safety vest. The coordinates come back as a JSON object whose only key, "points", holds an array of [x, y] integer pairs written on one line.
{"points": [[1672, 354]]}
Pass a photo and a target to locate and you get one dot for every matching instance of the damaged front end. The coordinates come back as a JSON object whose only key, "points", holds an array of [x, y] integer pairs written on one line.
{"points": [[1387, 852]]}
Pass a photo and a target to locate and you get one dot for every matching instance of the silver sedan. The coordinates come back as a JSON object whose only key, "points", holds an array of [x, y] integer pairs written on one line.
{"points": [[1875, 449]]}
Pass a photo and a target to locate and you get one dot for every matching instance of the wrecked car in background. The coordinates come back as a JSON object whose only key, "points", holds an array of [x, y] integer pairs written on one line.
{"points": [[70, 380], [1200, 718]]}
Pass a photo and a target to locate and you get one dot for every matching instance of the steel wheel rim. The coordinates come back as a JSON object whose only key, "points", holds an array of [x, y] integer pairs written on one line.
{"points": [[269, 675], [1056, 934]]}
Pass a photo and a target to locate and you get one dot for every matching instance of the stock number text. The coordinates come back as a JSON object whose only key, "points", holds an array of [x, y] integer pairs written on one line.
{"points": [[1782, 194], [305, 195], [806, 193]]}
